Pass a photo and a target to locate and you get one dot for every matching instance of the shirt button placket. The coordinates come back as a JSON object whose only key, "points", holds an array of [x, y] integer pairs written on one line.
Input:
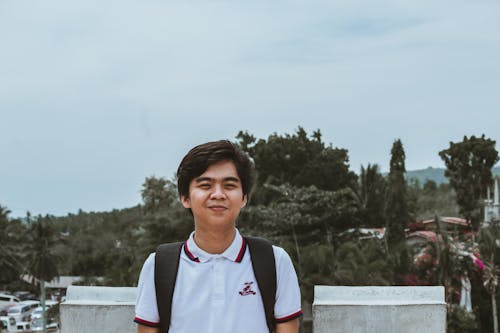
{"points": [[217, 295], [219, 280]]}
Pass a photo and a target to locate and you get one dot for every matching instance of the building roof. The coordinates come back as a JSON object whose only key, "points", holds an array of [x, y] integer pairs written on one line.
{"points": [[60, 282]]}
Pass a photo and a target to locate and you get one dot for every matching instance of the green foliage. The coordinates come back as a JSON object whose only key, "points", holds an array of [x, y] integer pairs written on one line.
{"points": [[41, 258], [488, 243], [362, 263], [10, 249], [311, 211], [468, 167], [396, 207], [157, 193], [105, 245], [318, 268], [432, 199], [305, 199], [372, 188], [458, 320], [298, 160]]}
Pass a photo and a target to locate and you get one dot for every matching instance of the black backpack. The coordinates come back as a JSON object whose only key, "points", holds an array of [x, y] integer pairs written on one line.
{"points": [[167, 264]]}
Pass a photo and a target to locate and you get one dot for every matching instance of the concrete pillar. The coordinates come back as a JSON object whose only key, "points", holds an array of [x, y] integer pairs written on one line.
{"points": [[379, 309], [98, 309]]}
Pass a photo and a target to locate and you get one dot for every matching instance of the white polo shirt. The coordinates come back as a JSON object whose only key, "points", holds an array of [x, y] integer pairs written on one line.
{"points": [[218, 293]]}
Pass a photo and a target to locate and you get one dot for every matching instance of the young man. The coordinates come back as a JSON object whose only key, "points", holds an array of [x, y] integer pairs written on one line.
{"points": [[216, 289]]}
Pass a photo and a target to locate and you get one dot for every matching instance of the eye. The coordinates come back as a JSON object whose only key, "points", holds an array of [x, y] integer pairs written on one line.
{"points": [[230, 186], [204, 186]]}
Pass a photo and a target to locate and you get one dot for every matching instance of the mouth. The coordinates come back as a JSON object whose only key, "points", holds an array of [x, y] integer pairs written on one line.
{"points": [[217, 208]]}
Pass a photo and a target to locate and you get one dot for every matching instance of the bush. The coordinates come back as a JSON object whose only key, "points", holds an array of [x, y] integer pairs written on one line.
{"points": [[458, 320]]}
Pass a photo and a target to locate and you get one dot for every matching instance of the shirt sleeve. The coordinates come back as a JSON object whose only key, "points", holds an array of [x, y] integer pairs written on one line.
{"points": [[146, 309], [288, 301]]}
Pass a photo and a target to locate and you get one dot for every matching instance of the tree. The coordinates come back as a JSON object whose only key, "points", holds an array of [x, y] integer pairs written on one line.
{"points": [[299, 160], [396, 208], [164, 220], [468, 167], [10, 260], [362, 263], [372, 186], [489, 248], [396, 212], [157, 193], [42, 263], [434, 199]]}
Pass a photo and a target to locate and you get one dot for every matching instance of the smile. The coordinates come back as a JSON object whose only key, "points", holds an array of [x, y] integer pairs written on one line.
{"points": [[217, 208]]}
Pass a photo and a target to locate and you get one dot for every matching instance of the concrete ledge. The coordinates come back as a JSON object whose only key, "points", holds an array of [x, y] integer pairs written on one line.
{"points": [[98, 309], [378, 295], [379, 309], [107, 294]]}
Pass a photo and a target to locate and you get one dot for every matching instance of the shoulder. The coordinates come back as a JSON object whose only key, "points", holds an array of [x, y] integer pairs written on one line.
{"points": [[149, 264], [281, 257], [150, 260]]}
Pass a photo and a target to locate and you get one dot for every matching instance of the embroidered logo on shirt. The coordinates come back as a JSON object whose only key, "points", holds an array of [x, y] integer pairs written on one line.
{"points": [[247, 289]]}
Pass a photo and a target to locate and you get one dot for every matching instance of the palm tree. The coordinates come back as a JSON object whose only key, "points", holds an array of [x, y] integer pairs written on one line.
{"points": [[41, 259], [488, 240], [490, 282], [363, 263], [10, 263]]}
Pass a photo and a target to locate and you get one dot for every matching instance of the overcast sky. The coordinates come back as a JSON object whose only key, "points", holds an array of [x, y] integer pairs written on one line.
{"points": [[97, 95]]}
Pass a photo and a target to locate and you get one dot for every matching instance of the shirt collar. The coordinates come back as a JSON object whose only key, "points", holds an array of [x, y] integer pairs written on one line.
{"points": [[234, 252]]}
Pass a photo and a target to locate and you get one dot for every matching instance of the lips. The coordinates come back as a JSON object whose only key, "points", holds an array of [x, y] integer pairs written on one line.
{"points": [[217, 208]]}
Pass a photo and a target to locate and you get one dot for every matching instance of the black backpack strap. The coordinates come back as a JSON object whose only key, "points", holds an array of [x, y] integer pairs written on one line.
{"points": [[166, 266], [264, 268]]}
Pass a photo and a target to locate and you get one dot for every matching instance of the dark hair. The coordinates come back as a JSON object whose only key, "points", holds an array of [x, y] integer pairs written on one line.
{"points": [[201, 157]]}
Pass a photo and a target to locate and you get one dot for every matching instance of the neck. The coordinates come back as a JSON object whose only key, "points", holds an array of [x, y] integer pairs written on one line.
{"points": [[214, 242]]}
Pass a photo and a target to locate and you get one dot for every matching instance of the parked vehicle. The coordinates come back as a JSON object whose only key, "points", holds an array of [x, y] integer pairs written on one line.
{"points": [[7, 299], [8, 323], [37, 313], [23, 326], [5, 309], [52, 325], [24, 295], [20, 312], [31, 303]]}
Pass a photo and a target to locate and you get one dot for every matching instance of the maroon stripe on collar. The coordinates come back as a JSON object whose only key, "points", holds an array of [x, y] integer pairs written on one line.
{"points": [[243, 249], [189, 254]]}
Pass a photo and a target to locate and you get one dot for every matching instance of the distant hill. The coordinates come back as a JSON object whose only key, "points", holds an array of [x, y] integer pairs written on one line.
{"points": [[436, 174]]}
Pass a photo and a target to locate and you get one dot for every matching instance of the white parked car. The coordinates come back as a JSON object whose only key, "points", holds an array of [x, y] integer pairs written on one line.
{"points": [[6, 299], [32, 303], [36, 325], [37, 313], [23, 326], [20, 312], [8, 323]]}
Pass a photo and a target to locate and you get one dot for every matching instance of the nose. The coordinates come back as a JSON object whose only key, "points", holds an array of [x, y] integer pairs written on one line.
{"points": [[218, 192]]}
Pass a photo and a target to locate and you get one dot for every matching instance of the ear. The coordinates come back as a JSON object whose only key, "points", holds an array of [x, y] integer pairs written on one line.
{"points": [[244, 202], [185, 201]]}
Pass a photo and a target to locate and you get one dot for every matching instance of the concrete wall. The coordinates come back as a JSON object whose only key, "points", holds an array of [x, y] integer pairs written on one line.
{"points": [[335, 309], [98, 309], [379, 309]]}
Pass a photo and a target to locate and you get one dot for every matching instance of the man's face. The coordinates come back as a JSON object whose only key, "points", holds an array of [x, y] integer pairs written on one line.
{"points": [[216, 197]]}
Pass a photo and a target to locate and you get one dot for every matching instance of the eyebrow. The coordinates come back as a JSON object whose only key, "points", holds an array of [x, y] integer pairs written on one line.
{"points": [[208, 179]]}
